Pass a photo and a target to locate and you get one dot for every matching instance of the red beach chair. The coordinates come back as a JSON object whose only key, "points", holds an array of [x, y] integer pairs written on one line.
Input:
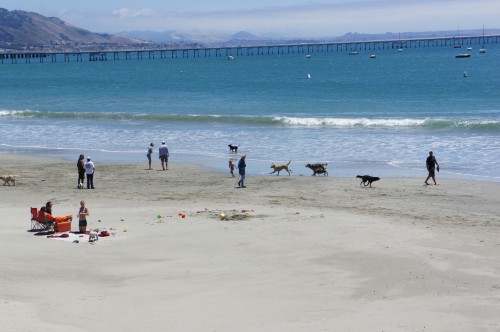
{"points": [[35, 223]]}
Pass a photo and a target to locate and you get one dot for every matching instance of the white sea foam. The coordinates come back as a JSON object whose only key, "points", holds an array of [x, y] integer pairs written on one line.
{"points": [[349, 122]]}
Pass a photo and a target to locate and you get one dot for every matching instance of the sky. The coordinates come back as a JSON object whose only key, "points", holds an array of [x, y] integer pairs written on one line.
{"points": [[287, 18]]}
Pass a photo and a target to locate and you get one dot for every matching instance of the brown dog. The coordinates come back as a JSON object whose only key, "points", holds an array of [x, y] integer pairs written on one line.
{"points": [[7, 179], [279, 168]]}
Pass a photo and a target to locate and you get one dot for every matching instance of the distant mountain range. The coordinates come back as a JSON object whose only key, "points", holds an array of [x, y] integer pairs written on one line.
{"points": [[21, 29]]}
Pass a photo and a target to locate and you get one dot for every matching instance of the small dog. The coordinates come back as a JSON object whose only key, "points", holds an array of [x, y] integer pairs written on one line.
{"points": [[279, 168], [233, 148], [8, 179], [367, 179], [93, 236], [318, 169]]}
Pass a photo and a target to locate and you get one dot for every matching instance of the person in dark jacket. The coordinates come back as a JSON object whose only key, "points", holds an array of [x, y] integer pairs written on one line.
{"points": [[241, 170]]}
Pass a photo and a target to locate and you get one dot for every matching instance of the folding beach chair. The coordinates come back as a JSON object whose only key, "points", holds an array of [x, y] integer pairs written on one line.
{"points": [[39, 222], [35, 224]]}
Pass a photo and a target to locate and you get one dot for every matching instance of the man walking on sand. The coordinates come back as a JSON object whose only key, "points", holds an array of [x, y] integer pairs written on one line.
{"points": [[241, 170], [431, 163], [163, 151]]}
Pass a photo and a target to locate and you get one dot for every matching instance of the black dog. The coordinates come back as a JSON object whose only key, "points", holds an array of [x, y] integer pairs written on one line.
{"points": [[367, 179], [233, 148], [318, 169]]}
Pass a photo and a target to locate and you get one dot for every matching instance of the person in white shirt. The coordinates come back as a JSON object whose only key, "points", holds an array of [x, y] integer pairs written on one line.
{"points": [[90, 169], [163, 151]]}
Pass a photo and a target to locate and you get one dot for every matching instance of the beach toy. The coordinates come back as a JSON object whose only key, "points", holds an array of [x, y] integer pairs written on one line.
{"points": [[158, 216], [183, 215], [222, 215], [125, 229]]}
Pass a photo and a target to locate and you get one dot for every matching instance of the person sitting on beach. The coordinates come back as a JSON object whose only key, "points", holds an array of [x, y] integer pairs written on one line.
{"points": [[431, 163], [48, 207]]}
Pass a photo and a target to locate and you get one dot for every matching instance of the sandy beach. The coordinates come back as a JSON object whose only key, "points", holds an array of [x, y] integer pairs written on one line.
{"points": [[293, 253]]}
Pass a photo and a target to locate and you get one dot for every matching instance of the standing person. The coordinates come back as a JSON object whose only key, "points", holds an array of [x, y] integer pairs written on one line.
{"points": [[241, 170], [82, 218], [431, 163], [232, 166], [90, 169], [163, 151], [150, 152], [81, 171]]}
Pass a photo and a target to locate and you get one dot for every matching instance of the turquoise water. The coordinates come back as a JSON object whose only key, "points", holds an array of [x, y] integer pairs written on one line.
{"points": [[376, 116]]}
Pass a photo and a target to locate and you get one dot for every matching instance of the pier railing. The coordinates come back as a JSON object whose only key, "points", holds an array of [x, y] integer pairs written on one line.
{"points": [[234, 51]]}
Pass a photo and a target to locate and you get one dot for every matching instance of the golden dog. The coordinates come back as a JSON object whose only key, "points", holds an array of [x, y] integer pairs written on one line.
{"points": [[7, 179], [279, 168]]}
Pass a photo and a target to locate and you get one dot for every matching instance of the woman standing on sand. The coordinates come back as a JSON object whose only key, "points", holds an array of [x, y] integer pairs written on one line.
{"points": [[81, 171], [82, 218], [150, 152]]}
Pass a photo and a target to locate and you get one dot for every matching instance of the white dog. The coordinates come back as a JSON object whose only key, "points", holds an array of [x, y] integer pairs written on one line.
{"points": [[93, 236], [7, 179]]}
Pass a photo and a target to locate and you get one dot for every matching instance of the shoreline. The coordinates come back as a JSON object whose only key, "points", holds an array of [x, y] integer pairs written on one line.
{"points": [[337, 169], [295, 253]]}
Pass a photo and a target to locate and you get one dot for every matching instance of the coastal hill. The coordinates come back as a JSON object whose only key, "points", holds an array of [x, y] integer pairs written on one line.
{"points": [[21, 28]]}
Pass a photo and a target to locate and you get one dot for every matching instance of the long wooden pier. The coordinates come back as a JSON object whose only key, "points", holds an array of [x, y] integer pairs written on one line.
{"points": [[233, 51]]}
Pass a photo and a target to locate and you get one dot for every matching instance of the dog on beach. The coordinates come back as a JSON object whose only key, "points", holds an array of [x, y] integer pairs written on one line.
{"points": [[233, 148], [318, 169], [367, 180], [8, 179], [279, 168], [93, 236]]}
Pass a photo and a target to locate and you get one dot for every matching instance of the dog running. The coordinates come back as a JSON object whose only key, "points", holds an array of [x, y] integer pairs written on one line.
{"points": [[318, 169], [279, 168], [8, 179], [233, 148], [367, 180]]}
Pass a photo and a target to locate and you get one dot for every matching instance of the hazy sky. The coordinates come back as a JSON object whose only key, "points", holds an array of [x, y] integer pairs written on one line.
{"points": [[290, 18]]}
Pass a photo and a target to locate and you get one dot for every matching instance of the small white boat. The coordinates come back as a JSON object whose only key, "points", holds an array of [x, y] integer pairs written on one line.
{"points": [[373, 56], [230, 57], [462, 55], [353, 53], [308, 76], [482, 50], [469, 48], [400, 50], [307, 56]]}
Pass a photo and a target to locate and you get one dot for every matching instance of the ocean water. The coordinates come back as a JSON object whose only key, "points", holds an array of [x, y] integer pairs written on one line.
{"points": [[363, 116]]}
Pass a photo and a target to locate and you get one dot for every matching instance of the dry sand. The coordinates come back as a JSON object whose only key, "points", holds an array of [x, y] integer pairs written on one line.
{"points": [[296, 253]]}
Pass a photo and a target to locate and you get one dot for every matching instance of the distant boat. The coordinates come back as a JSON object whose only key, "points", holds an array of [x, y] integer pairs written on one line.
{"points": [[353, 53], [400, 49], [462, 55], [469, 48], [373, 56], [482, 49], [230, 57], [458, 36], [308, 76], [307, 56]]}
